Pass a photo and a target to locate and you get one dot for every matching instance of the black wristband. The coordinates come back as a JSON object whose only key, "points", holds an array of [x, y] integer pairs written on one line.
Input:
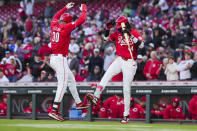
{"points": [[138, 42]]}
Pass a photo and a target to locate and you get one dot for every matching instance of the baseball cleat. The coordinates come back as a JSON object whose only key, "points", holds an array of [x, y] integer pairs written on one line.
{"points": [[125, 119], [55, 115], [93, 99], [82, 106]]}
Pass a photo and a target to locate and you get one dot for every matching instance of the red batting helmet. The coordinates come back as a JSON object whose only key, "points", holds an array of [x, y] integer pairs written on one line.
{"points": [[176, 100], [120, 20], [66, 17]]}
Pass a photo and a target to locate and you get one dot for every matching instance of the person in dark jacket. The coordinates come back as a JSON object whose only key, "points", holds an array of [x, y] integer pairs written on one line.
{"points": [[140, 67], [95, 60], [35, 66], [49, 10], [193, 69], [73, 62], [96, 76]]}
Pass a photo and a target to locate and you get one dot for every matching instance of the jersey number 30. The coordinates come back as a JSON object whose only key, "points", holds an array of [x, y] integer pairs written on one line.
{"points": [[56, 37]]}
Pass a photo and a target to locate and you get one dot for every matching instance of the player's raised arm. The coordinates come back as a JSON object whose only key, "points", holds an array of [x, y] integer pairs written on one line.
{"points": [[109, 25], [59, 13], [83, 16]]}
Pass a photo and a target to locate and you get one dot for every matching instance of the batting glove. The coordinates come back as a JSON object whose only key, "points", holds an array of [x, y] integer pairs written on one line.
{"points": [[70, 5]]}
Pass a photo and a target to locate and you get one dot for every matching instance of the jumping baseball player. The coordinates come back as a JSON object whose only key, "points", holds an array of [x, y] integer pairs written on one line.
{"points": [[123, 63], [61, 28]]}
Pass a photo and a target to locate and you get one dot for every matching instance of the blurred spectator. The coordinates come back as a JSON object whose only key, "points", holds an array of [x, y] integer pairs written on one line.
{"points": [[96, 75], [28, 110], [78, 78], [194, 46], [170, 71], [127, 11], [180, 53], [134, 6], [27, 77], [10, 70], [43, 76], [49, 10], [29, 4], [143, 107], [113, 107], [3, 78], [50, 78], [193, 107], [35, 66], [184, 67], [44, 49], [109, 57], [29, 25], [6, 59], [21, 11], [140, 67], [12, 45], [96, 60], [73, 47], [73, 62], [152, 67], [104, 14], [174, 111], [28, 52], [163, 5], [36, 46], [20, 52], [193, 69], [135, 110], [162, 75], [3, 106], [46, 64], [156, 112]]}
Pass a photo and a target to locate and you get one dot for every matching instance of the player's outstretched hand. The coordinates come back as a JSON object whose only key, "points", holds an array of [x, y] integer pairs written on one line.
{"points": [[83, 7], [70, 5]]}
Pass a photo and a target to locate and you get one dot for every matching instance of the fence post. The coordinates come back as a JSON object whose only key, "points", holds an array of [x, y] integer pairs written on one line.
{"points": [[89, 113], [9, 106], [147, 108], [34, 107]]}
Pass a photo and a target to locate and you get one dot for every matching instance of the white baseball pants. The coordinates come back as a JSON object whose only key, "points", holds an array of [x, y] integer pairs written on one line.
{"points": [[128, 71], [65, 78]]}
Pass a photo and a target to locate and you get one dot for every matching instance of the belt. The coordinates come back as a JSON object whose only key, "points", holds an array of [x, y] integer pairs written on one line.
{"points": [[58, 55], [125, 58]]}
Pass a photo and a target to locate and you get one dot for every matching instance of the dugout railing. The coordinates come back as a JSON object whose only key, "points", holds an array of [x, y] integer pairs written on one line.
{"points": [[152, 90]]}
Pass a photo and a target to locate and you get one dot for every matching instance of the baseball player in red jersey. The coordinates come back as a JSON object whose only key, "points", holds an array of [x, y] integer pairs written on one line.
{"points": [[123, 62], [61, 28]]}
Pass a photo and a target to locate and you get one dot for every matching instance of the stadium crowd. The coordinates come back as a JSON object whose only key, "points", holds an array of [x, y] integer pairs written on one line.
{"points": [[168, 27]]}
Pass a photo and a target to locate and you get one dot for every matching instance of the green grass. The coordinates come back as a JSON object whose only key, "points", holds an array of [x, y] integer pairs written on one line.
{"points": [[49, 125]]}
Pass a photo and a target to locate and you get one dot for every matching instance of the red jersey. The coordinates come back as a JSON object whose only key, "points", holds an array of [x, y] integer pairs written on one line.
{"points": [[10, 70], [29, 54], [60, 33], [193, 107], [114, 107], [44, 50], [121, 45], [153, 68], [173, 113], [29, 110], [3, 109], [136, 112]]}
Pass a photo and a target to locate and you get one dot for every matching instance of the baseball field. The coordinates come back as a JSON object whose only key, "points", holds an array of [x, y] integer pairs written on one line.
{"points": [[49, 125]]}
